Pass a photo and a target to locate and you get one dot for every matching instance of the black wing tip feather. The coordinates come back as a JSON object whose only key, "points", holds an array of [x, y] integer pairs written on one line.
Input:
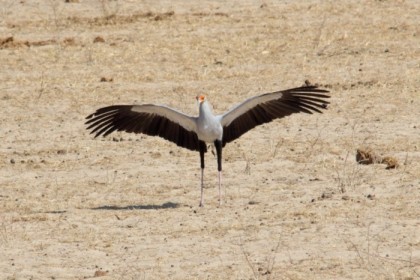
{"points": [[100, 121], [108, 109], [308, 99], [311, 93], [309, 89], [106, 120]]}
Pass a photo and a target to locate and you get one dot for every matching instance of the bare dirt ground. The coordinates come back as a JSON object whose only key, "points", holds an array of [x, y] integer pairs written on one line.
{"points": [[298, 205]]}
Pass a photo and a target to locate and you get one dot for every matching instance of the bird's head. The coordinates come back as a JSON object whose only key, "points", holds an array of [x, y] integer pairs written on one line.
{"points": [[201, 98]]}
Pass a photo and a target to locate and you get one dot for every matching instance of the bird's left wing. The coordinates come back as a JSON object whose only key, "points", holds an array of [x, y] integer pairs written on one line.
{"points": [[154, 120], [267, 107]]}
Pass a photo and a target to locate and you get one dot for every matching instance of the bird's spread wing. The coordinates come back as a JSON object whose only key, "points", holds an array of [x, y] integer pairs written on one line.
{"points": [[154, 120], [267, 107]]}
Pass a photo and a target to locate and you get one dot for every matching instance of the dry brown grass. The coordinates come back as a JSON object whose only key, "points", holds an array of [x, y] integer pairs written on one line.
{"points": [[298, 205]]}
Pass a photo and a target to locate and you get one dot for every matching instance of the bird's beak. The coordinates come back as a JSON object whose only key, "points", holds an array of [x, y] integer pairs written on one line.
{"points": [[200, 98]]}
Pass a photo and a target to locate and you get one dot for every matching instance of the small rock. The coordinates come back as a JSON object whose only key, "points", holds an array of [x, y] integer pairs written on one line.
{"points": [[308, 83], [69, 41], [326, 195], [371, 196], [391, 163], [100, 273], [105, 79], [12, 161], [99, 39]]}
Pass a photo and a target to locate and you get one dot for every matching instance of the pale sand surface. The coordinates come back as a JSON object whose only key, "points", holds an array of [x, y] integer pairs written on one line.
{"points": [[298, 206]]}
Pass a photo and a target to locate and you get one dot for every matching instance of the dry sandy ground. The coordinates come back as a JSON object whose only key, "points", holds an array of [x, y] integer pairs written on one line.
{"points": [[298, 206]]}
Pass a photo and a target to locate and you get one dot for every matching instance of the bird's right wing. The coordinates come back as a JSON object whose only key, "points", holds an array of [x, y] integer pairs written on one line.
{"points": [[154, 120], [267, 107]]}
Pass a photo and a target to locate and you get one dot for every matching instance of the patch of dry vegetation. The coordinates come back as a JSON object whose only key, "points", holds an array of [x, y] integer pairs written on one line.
{"points": [[126, 207]]}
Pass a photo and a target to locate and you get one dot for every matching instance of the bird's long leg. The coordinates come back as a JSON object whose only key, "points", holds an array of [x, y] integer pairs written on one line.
{"points": [[218, 145], [202, 151]]}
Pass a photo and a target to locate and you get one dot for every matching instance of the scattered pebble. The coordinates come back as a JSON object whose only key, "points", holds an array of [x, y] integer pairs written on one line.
{"points": [[98, 39], [371, 196], [69, 41], [100, 273], [105, 79], [326, 195]]}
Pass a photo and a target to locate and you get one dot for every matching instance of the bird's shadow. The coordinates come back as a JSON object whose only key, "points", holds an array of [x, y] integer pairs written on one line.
{"points": [[167, 205]]}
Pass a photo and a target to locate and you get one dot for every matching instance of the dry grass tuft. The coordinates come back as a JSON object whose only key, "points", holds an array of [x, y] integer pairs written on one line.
{"points": [[73, 207], [367, 156]]}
